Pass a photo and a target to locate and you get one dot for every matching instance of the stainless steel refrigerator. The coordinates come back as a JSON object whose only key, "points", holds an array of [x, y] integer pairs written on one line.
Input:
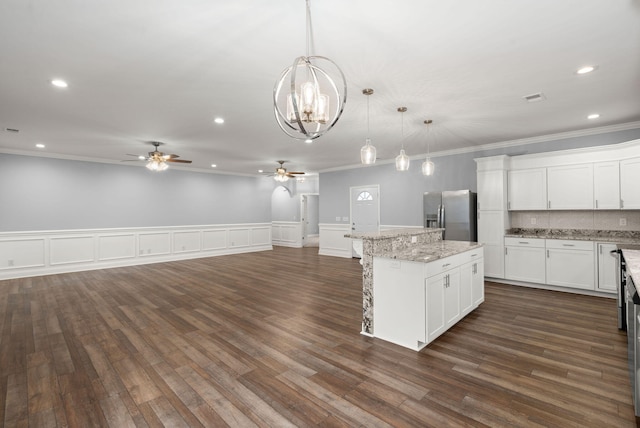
{"points": [[454, 211]]}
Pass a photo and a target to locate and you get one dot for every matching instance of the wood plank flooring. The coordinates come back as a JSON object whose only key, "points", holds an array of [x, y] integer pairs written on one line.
{"points": [[273, 339]]}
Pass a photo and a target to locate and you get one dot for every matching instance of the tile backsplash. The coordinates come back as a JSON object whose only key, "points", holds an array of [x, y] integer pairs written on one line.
{"points": [[589, 220]]}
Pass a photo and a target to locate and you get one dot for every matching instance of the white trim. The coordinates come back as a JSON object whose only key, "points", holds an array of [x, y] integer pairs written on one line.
{"points": [[79, 250], [332, 240], [286, 233], [504, 144], [552, 287]]}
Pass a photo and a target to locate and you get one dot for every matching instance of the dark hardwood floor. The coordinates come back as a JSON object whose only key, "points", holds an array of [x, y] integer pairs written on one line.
{"points": [[273, 339]]}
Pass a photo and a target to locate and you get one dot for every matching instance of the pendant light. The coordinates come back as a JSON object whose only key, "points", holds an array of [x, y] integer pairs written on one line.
{"points": [[402, 160], [309, 96], [368, 152], [428, 168]]}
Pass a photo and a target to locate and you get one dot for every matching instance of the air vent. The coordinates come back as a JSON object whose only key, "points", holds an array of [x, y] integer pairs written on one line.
{"points": [[535, 97], [14, 130]]}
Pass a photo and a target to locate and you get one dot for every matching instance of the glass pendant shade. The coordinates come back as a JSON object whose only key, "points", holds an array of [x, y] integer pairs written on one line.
{"points": [[368, 153], [281, 178], [402, 161], [428, 167]]}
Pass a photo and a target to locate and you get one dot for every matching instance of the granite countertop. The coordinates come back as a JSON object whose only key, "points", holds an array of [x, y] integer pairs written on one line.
{"points": [[632, 257], [430, 252], [614, 236], [391, 233]]}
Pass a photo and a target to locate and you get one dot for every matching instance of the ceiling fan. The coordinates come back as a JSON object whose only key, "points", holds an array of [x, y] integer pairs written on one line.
{"points": [[282, 174], [157, 160]]}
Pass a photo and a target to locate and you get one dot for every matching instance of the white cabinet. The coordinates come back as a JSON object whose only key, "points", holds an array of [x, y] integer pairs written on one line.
{"points": [[491, 228], [607, 266], [629, 179], [491, 190], [471, 286], [415, 302], [399, 301], [443, 302], [606, 185], [527, 189], [525, 260], [570, 264], [570, 187]]}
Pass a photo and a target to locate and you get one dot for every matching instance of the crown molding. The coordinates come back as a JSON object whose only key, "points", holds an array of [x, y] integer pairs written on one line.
{"points": [[505, 144]]}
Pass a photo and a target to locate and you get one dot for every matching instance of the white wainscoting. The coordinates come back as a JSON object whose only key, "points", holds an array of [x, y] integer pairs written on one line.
{"points": [[286, 233], [332, 240], [24, 254]]}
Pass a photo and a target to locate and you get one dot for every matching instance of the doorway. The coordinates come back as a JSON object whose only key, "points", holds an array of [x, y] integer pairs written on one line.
{"points": [[309, 216], [365, 212]]}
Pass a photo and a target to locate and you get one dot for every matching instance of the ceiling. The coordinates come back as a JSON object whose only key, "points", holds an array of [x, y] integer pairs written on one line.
{"points": [[142, 70]]}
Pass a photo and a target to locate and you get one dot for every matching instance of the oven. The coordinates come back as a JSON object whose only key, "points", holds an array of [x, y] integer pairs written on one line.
{"points": [[633, 341]]}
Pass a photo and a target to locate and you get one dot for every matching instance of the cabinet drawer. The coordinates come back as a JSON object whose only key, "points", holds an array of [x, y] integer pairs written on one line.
{"points": [[563, 244], [439, 266], [471, 256], [524, 242]]}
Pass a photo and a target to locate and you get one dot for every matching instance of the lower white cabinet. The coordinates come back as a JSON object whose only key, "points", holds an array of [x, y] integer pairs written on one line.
{"points": [[570, 264], [414, 302], [607, 266], [524, 260]]}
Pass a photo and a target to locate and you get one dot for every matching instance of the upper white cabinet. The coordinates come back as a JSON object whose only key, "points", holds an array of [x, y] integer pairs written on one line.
{"points": [[629, 179], [491, 195], [527, 189], [570, 187], [606, 185]]}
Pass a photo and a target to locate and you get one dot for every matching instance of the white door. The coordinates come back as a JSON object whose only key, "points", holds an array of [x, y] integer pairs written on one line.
{"points": [[365, 210]]}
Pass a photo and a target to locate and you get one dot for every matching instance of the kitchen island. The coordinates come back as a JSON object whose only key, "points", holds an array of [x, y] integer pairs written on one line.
{"points": [[386, 242], [420, 292]]}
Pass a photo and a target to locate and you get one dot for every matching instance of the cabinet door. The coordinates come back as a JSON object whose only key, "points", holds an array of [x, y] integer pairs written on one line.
{"points": [[494, 261], [491, 190], [471, 286], [629, 179], [467, 272], [435, 306], [606, 185], [527, 189], [452, 298], [491, 227], [570, 187], [477, 286], [607, 266], [524, 264], [571, 268]]}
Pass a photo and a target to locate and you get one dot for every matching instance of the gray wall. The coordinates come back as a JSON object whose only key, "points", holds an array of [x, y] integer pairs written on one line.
{"points": [[285, 198], [401, 193], [50, 194]]}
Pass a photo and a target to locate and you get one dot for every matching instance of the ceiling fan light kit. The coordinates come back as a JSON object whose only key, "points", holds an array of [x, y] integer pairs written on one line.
{"points": [[158, 161], [281, 175], [368, 152], [309, 96]]}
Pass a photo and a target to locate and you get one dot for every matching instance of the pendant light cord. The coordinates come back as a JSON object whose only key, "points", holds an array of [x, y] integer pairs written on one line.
{"points": [[402, 129], [368, 116], [309, 35]]}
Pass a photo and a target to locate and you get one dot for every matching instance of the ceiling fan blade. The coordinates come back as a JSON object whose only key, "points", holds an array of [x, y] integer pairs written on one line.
{"points": [[294, 172], [178, 160], [170, 156]]}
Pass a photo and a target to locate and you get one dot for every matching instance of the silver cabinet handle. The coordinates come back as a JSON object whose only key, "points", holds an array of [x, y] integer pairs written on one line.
{"points": [[547, 253], [523, 242], [600, 248], [596, 203], [568, 245], [446, 264], [509, 205], [473, 255], [621, 203], [506, 251], [549, 204]]}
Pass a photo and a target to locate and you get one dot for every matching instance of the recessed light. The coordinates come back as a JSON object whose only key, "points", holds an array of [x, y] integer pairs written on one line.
{"points": [[59, 83], [260, 171], [218, 120], [40, 146], [213, 165], [586, 69], [308, 141], [593, 116]]}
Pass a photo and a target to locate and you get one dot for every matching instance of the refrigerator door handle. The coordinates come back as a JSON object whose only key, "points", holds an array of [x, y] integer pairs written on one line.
{"points": [[442, 217], [439, 221]]}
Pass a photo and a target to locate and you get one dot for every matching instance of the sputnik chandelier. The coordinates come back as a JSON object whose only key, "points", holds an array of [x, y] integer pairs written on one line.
{"points": [[309, 96]]}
